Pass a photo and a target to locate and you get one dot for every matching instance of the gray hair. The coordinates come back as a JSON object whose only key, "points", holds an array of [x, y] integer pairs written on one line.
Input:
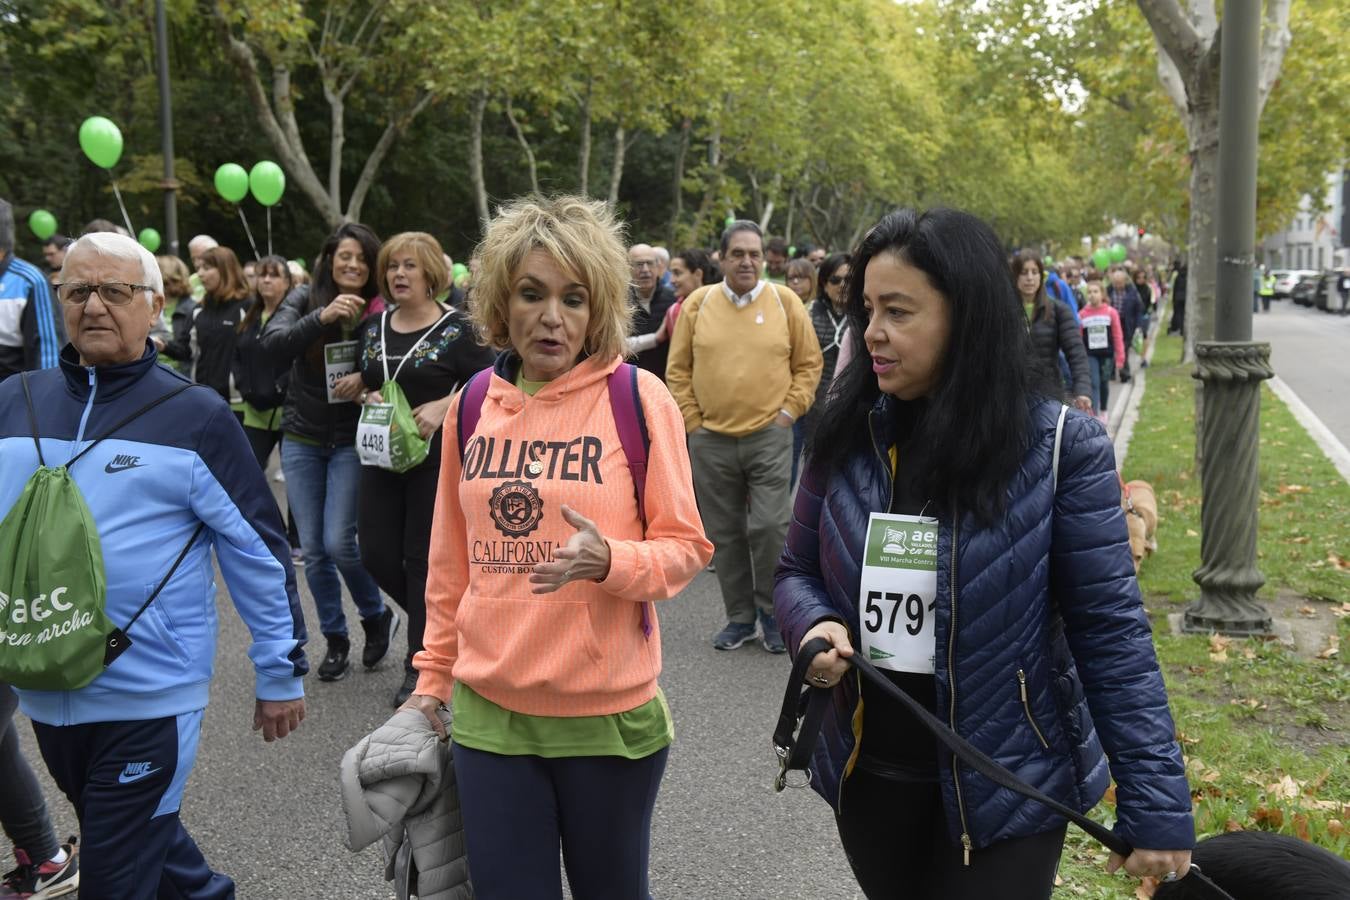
{"points": [[120, 247], [6, 227], [205, 241], [662, 254]]}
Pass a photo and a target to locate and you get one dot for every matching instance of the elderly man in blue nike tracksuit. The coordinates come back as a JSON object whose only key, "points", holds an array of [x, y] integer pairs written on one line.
{"points": [[122, 747]]}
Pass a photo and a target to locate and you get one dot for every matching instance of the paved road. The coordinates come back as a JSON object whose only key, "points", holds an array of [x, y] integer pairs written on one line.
{"points": [[269, 815], [1310, 351]]}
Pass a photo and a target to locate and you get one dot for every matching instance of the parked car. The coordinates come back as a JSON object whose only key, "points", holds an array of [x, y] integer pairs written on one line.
{"points": [[1305, 289], [1327, 297], [1285, 279]]}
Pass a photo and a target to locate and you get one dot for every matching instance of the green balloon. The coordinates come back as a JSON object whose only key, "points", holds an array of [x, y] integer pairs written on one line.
{"points": [[1101, 258], [729, 220], [1118, 253], [300, 261], [101, 141], [232, 182], [267, 182], [459, 270], [42, 223], [149, 239], [1049, 260]]}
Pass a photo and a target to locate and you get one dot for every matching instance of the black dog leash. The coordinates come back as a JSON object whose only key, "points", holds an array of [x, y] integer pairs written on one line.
{"points": [[809, 704]]}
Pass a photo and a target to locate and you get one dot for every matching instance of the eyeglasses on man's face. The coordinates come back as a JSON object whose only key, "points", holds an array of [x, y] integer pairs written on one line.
{"points": [[113, 293]]}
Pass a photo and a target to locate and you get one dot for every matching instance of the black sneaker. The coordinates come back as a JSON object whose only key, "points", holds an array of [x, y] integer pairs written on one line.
{"points": [[335, 665], [380, 631], [769, 635], [42, 881], [405, 690]]}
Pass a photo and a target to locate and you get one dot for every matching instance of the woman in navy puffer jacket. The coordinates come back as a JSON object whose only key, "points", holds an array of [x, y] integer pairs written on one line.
{"points": [[941, 542]]}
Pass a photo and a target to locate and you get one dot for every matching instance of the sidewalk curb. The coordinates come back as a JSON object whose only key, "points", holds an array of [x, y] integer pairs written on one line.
{"points": [[1335, 451], [1124, 428]]}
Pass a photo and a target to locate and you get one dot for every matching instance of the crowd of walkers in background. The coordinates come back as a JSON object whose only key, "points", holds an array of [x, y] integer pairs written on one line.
{"points": [[346, 378]]}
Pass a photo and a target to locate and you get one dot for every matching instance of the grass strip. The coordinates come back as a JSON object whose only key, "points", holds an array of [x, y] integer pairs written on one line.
{"points": [[1266, 733]]}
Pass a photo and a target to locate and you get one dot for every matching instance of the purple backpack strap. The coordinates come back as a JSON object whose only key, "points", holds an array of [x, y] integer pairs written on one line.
{"points": [[471, 406], [626, 405]]}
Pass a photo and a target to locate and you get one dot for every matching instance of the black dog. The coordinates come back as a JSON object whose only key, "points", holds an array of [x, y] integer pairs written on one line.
{"points": [[1258, 865]]}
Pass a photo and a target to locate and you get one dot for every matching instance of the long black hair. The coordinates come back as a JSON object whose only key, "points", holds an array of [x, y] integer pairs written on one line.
{"points": [[974, 429], [324, 289]]}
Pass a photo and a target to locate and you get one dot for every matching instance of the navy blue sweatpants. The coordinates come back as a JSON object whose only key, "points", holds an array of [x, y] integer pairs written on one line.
{"points": [[518, 810], [125, 780]]}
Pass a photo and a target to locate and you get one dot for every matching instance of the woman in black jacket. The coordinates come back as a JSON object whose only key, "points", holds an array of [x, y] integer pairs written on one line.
{"points": [[215, 323], [313, 330], [1054, 330]]}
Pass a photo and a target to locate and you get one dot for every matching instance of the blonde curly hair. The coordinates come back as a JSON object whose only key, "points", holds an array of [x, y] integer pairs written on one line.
{"points": [[584, 237]]}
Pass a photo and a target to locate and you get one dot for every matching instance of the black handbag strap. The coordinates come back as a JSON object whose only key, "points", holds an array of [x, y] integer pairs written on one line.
{"points": [[809, 704]]}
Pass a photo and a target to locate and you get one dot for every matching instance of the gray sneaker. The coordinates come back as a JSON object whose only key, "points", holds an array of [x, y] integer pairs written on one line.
{"points": [[769, 635], [735, 634]]}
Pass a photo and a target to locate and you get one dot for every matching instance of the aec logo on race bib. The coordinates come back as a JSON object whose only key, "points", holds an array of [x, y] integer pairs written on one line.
{"points": [[902, 545], [18, 611]]}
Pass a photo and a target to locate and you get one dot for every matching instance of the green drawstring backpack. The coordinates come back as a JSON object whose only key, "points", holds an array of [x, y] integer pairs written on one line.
{"points": [[54, 633]]}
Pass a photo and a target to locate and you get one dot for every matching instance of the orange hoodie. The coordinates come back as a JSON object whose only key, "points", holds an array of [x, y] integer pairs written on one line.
{"points": [[579, 651]]}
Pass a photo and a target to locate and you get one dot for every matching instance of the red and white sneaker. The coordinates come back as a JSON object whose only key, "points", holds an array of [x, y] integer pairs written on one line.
{"points": [[44, 880]]}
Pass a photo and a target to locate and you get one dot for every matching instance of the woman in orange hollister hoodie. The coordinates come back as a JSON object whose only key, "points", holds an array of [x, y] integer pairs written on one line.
{"points": [[540, 628]]}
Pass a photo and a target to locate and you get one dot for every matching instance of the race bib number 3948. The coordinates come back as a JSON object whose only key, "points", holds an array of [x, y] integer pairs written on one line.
{"points": [[898, 593]]}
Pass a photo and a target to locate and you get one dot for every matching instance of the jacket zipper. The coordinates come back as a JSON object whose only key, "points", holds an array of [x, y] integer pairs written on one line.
{"points": [[1026, 707], [88, 408], [951, 675]]}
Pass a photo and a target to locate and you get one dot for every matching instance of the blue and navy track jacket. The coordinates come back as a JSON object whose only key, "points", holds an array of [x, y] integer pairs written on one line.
{"points": [[148, 486], [31, 331]]}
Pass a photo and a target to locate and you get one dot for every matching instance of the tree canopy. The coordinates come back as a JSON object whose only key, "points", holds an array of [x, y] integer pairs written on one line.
{"points": [[810, 116]]}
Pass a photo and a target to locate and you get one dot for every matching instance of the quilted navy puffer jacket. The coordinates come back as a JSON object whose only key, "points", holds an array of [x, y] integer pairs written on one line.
{"points": [[1085, 647]]}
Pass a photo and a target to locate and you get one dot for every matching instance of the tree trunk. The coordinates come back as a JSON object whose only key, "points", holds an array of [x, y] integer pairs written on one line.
{"points": [[616, 170], [337, 137], [584, 153], [677, 186], [392, 132], [524, 145], [476, 109]]}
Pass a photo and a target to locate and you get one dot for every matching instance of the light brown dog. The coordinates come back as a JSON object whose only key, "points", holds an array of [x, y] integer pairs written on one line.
{"points": [[1141, 515]]}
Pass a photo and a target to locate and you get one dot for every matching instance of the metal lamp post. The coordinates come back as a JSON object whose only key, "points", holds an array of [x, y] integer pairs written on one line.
{"points": [[169, 184], [1232, 366]]}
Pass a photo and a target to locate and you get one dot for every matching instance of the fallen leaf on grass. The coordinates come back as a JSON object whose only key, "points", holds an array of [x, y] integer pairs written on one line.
{"points": [[1333, 647], [1210, 776], [1249, 702], [1299, 539], [1191, 532], [1218, 648], [1059, 882], [1335, 827], [1293, 489], [1286, 787], [1232, 825], [1340, 562], [1301, 827], [1307, 612], [1341, 611], [1270, 817], [1248, 653], [1186, 739], [1197, 670]]}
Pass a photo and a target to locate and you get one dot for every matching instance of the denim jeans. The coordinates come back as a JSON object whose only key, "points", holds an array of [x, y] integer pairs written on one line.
{"points": [[1100, 369], [23, 811], [322, 487]]}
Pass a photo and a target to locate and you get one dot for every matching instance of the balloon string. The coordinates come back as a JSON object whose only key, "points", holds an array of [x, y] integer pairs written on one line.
{"points": [[248, 231], [118, 194], [269, 231]]}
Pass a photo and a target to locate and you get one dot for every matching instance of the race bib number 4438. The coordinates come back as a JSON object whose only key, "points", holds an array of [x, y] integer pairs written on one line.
{"points": [[898, 593]]}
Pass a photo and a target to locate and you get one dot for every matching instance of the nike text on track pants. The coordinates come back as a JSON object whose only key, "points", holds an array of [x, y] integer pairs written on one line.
{"points": [[125, 780]]}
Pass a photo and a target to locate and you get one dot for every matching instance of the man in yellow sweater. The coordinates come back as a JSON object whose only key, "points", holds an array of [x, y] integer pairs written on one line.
{"points": [[743, 366]]}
